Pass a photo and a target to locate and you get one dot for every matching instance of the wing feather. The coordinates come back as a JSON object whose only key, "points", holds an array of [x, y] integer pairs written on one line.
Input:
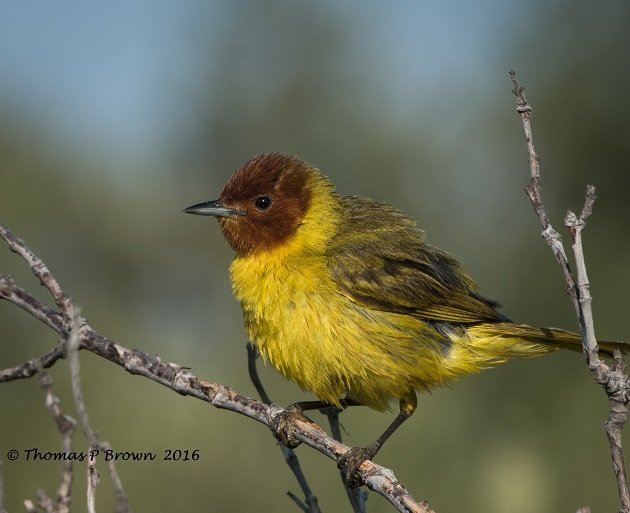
{"points": [[379, 259]]}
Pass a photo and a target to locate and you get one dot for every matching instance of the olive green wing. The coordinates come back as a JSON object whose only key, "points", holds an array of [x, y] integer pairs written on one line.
{"points": [[379, 259]]}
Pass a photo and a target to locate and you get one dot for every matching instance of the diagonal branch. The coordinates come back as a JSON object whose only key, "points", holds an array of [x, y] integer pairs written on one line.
{"points": [[40, 270], [178, 378], [31, 304], [34, 365]]}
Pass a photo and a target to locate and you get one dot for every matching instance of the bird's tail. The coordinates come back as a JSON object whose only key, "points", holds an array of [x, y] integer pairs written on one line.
{"points": [[514, 340]]}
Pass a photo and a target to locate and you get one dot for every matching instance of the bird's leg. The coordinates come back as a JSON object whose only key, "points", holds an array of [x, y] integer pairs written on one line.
{"points": [[350, 461], [282, 426], [252, 356]]}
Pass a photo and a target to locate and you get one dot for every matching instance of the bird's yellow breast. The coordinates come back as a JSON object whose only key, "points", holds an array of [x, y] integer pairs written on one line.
{"points": [[287, 316], [291, 308], [315, 336]]}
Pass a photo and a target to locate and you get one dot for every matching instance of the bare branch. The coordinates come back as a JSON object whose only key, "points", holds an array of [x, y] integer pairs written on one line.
{"points": [[29, 303], [92, 480], [39, 269], [589, 200], [585, 312], [534, 190], [72, 352], [180, 380], [34, 365], [65, 426], [614, 381], [122, 501]]}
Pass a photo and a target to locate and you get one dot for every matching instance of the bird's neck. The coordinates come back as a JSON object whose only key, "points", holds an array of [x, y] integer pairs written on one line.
{"points": [[271, 280], [319, 224]]}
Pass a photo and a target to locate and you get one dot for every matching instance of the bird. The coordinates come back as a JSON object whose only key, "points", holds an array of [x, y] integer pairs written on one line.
{"points": [[344, 296]]}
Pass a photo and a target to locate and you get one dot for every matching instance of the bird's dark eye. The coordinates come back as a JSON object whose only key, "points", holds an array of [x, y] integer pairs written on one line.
{"points": [[263, 202]]}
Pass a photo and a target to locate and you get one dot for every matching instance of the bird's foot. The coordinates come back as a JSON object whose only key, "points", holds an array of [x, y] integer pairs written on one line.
{"points": [[350, 462], [283, 425]]}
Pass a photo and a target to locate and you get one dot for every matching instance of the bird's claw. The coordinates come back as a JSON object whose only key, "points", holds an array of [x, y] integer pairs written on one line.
{"points": [[349, 464], [283, 425]]}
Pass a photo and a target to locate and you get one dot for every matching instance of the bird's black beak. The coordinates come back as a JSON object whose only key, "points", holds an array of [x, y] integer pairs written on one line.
{"points": [[213, 208]]}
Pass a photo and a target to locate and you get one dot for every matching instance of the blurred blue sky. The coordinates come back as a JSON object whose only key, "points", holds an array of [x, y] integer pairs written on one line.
{"points": [[105, 76]]}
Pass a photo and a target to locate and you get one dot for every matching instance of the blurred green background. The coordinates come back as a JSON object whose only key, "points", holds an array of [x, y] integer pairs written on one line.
{"points": [[115, 116]]}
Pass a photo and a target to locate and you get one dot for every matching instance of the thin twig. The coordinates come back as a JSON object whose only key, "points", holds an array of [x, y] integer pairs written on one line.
{"points": [[357, 496], [45, 502], [93, 476], [122, 501], [34, 365], [72, 352], [180, 380], [617, 387], [582, 286], [310, 503], [40, 270], [31, 305], [614, 381], [534, 190], [65, 425]]}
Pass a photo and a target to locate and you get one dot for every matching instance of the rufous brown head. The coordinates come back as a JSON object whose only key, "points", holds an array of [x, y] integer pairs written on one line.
{"points": [[263, 203]]}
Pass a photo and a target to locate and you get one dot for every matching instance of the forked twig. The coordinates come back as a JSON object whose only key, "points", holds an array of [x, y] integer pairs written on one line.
{"points": [[613, 379]]}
